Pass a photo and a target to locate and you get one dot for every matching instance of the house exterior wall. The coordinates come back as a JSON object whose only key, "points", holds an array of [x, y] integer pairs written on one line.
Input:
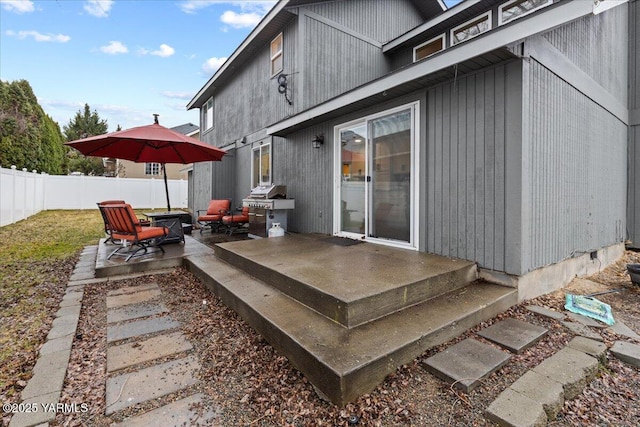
{"points": [[633, 204], [129, 169], [472, 141]]}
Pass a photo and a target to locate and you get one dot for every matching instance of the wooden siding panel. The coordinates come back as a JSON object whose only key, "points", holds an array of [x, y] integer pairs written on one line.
{"points": [[330, 72], [577, 187], [598, 45], [379, 20], [466, 168]]}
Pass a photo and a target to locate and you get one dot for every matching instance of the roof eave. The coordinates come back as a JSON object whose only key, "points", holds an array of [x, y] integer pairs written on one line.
{"points": [[199, 97], [499, 37]]}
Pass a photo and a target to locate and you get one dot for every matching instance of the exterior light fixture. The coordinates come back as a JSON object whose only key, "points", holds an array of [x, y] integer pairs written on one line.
{"points": [[318, 141]]}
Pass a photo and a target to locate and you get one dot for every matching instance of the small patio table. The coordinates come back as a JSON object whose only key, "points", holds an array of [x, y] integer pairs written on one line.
{"points": [[170, 219]]}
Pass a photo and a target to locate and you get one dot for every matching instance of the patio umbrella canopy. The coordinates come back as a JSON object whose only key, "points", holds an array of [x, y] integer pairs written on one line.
{"points": [[152, 143]]}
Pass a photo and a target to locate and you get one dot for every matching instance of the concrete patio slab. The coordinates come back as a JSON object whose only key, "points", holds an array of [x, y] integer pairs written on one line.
{"points": [[513, 334], [125, 355], [137, 328], [133, 298], [627, 352], [135, 311], [130, 389], [466, 363], [515, 409], [546, 312], [175, 414], [543, 390]]}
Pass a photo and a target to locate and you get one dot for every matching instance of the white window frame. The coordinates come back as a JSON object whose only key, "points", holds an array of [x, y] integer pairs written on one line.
{"points": [[259, 149], [417, 48], [207, 115], [152, 168], [277, 55], [503, 6], [484, 16]]}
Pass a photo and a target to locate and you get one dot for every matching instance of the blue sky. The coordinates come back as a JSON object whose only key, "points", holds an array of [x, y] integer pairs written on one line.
{"points": [[127, 59]]}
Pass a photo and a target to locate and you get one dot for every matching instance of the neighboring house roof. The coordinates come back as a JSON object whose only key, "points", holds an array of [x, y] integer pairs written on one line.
{"points": [[269, 27], [186, 129]]}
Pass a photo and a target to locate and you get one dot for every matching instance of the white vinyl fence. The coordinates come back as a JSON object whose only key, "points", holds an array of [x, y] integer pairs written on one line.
{"points": [[24, 193]]}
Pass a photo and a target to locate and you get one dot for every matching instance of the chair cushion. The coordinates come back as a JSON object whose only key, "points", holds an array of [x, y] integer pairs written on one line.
{"points": [[235, 218], [210, 218], [218, 206]]}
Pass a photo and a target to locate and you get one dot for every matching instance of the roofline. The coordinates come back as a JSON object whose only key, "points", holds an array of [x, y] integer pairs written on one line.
{"points": [[548, 18], [247, 41], [448, 13]]}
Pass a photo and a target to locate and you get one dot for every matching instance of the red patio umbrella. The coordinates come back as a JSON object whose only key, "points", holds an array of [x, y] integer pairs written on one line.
{"points": [[151, 143]]}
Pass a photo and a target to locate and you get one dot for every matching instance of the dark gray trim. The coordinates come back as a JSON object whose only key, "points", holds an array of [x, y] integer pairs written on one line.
{"points": [[340, 27], [634, 117], [546, 54]]}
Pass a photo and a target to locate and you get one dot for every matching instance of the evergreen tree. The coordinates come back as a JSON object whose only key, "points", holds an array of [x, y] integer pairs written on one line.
{"points": [[83, 125]]}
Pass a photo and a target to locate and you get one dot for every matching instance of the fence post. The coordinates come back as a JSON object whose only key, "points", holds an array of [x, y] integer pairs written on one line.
{"points": [[13, 193]]}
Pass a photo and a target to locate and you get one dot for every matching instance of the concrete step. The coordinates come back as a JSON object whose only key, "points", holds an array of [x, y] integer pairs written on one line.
{"points": [[351, 285], [344, 363]]}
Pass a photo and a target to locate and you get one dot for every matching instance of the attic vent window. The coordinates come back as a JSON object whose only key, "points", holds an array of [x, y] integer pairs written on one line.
{"points": [[276, 55], [515, 9], [471, 29], [428, 48]]}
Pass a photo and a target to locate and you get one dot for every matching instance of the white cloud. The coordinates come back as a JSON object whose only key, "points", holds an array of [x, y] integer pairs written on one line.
{"points": [[39, 37], [240, 20], [98, 8], [260, 7], [18, 6], [178, 95], [212, 64], [164, 51], [114, 48]]}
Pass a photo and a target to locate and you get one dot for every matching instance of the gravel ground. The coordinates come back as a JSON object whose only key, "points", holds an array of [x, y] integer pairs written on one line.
{"points": [[248, 383]]}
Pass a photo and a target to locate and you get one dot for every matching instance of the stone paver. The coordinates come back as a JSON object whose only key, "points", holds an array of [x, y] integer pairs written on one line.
{"points": [[133, 298], [546, 312], [582, 330], [513, 334], [130, 354], [132, 289], [572, 368], [175, 414], [543, 390], [627, 352], [57, 344], [591, 347], [466, 363], [515, 409], [135, 311], [24, 419], [587, 321], [136, 328], [622, 329], [130, 389], [48, 374]]}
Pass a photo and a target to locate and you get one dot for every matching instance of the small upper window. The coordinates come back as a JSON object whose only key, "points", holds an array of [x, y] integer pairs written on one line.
{"points": [[471, 29], [514, 9], [207, 115], [428, 48], [276, 55]]}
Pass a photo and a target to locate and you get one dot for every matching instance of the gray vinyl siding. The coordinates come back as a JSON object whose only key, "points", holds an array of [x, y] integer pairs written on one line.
{"points": [[251, 100], [633, 202], [576, 173], [379, 20], [598, 46], [350, 62], [467, 141]]}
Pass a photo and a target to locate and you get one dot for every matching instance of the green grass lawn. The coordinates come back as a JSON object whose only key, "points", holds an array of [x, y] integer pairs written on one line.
{"points": [[37, 256]]}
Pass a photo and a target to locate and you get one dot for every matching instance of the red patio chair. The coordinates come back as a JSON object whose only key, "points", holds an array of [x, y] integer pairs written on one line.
{"points": [[235, 221], [142, 222], [213, 216], [125, 227]]}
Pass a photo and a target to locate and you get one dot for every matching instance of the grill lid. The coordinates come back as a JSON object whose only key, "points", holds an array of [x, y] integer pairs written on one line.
{"points": [[269, 192]]}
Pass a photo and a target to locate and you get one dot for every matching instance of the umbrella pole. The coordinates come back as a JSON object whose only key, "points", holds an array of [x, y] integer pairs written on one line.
{"points": [[166, 186]]}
